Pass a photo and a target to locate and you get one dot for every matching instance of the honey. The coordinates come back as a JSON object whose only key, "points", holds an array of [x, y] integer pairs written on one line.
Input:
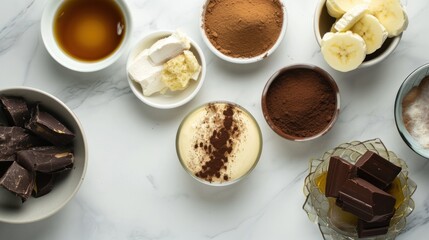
{"points": [[89, 30]]}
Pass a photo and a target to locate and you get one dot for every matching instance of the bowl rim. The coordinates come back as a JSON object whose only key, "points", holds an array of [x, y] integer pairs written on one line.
{"points": [[364, 64], [228, 183], [146, 99], [403, 132], [67, 61], [85, 152], [326, 76], [243, 60]]}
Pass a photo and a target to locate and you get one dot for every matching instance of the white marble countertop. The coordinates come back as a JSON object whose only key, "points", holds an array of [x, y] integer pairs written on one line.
{"points": [[135, 187]]}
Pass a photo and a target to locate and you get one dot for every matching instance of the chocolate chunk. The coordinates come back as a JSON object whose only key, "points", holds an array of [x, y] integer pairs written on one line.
{"points": [[49, 128], [18, 180], [376, 170], [339, 171], [5, 164], [367, 229], [45, 159], [13, 139], [44, 184], [365, 200], [16, 110]]}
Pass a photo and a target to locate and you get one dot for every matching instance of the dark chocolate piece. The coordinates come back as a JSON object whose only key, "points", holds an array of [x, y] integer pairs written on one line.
{"points": [[365, 200], [44, 184], [13, 139], [377, 170], [5, 164], [18, 180], [339, 171], [49, 128], [367, 229], [16, 110], [45, 159]]}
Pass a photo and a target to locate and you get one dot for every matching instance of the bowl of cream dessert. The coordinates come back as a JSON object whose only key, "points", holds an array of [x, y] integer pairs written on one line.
{"points": [[219, 143]]}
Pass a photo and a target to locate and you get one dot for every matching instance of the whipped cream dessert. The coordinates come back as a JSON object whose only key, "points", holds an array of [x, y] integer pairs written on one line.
{"points": [[166, 65], [219, 143]]}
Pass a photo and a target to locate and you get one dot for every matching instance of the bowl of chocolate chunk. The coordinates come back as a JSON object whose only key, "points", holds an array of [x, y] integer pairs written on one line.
{"points": [[301, 102], [411, 111], [43, 155], [359, 33], [166, 69], [359, 190], [243, 31]]}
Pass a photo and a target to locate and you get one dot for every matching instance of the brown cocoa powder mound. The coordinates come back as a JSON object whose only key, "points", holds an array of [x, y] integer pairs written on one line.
{"points": [[243, 28], [301, 102]]}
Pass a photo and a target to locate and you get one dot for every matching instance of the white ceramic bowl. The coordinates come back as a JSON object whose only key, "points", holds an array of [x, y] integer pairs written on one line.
{"points": [[170, 99], [323, 23], [413, 80], [47, 31], [243, 60], [34, 209]]}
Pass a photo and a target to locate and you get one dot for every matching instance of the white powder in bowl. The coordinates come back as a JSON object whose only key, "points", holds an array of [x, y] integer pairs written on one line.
{"points": [[416, 112]]}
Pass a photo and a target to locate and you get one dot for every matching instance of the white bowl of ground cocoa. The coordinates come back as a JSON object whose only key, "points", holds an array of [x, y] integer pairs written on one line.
{"points": [[301, 102], [243, 31]]}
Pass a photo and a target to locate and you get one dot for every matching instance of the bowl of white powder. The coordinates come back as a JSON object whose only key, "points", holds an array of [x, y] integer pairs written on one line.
{"points": [[412, 110]]}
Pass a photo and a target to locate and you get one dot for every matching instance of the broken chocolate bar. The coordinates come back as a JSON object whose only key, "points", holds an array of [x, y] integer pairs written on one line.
{"points": [[16, 110], [339, 171], [13, 139], [377, 170], [366, 201], [44, 184], [366, 229], [18, 180], [49, 128], [45, 159]]}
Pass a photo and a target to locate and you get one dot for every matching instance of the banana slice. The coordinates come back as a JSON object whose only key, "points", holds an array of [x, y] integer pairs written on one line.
{"points": [[391, 14], [343, 51], [372, 31], [350, 18], [336, 8]]}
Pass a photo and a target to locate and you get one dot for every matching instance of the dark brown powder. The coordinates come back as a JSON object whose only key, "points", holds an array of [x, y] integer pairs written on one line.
{"points": [[301, 102], [220, 145], [243, 28]]}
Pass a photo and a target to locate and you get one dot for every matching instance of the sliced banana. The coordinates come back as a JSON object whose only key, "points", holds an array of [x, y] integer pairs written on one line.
{"points": [[350, 18], [336, 8], [343, 51], [372, 31], [391, 14]]}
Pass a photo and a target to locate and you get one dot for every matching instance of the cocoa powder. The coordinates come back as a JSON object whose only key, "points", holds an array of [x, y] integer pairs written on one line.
{"points": [[243, 28], [220, 144], [301, 102]]}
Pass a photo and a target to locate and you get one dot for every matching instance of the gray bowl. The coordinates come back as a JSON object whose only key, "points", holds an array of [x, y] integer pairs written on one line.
{"points": [[414, 79], [35, 209]]}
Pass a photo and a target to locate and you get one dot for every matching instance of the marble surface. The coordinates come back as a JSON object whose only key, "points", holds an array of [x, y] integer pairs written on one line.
{"points": [[135, 187]]}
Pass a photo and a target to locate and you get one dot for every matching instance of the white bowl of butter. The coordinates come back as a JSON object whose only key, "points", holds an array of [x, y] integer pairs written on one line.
{"points": [[152, 65]]}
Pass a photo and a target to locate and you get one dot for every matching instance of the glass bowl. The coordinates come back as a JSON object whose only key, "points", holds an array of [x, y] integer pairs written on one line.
{"points": [[318, 207]]}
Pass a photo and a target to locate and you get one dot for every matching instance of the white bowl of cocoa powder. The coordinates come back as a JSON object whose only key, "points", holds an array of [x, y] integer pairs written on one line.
{"points": [[243, 31]]}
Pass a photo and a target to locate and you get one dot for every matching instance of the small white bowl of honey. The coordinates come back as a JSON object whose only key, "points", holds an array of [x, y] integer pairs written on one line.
{"points": [[86, 35]]}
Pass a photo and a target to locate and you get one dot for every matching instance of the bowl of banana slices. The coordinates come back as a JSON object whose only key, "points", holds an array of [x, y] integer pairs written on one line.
{"points": [[358, 33]]}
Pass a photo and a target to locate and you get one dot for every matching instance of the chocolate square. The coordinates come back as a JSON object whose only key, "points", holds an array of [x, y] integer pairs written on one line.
{"points": [[13, 139], [18, 180], [339, 171], [49, 128], [15, 109], [376, 169], [45, 159], [365, 200]]}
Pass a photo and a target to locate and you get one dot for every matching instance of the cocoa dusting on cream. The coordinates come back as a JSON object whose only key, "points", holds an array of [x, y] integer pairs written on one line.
{"points": [[218, 149]]}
